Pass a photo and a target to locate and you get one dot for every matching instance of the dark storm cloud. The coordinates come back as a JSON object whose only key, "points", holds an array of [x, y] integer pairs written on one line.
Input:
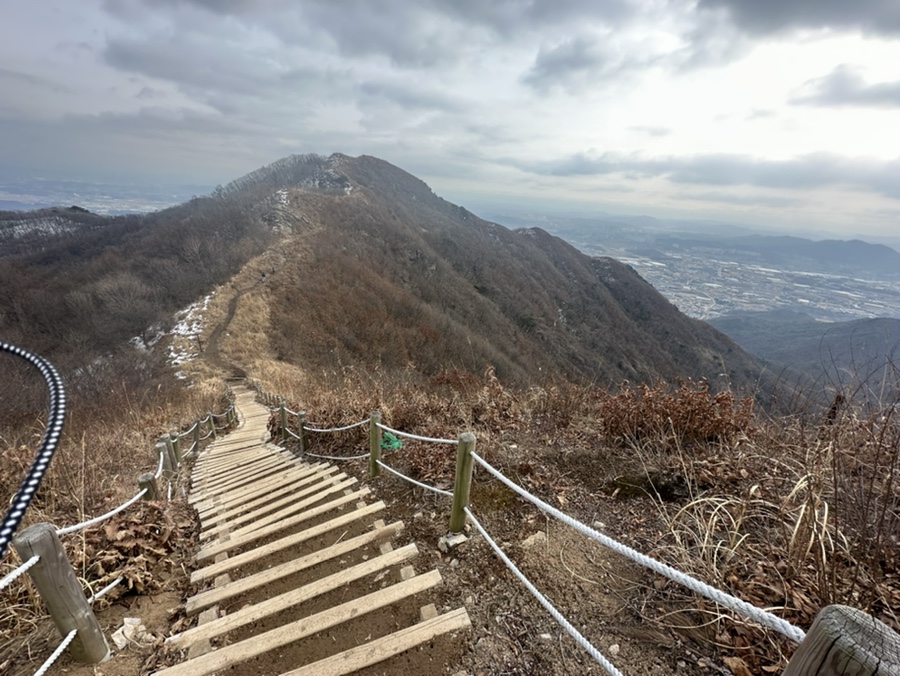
{"points": [[760, 17], [844, 86], [810, 171]]}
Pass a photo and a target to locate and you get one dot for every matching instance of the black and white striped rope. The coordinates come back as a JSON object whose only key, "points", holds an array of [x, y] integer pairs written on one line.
{"points": [[433, 489], [724, 599], [599, 657], [21, 570], [49, 441], [433, 440], [56, 653]]}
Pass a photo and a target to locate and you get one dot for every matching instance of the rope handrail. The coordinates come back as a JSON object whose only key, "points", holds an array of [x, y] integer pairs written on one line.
{"points": [[159, 466], [335, 457], [108, 588], [21, 570], [335, 429], [733, 603], [50, 439], [102, 517], [434, 440], [56, 653], [549, 607], [433, 489]]}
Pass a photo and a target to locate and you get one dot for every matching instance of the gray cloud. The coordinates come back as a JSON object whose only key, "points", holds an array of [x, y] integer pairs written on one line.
{"points": [[652, 131], [743, 200], [761, 17], [844, 86], [810, 171], [570, 65]]}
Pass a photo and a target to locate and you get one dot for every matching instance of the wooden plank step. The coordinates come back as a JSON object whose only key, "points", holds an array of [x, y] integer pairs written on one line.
{"points": [[244, 558], [273, 511], [210, 550], [214, 519], [238, 477], [281, 636], [217, 504], [245, 480], [211, 597], [209, 479], [294, 597], [219, 467], [388, 646]]}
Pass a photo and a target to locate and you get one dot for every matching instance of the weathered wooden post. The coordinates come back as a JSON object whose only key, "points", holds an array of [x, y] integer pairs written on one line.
{"points": [[212, 425], [845, 640], [196, 440], [59, 588], [301, 431], [170, 450], [282, 414], [462, 482], [161, 450], [374, 443], [176, 447], [148, 480]]}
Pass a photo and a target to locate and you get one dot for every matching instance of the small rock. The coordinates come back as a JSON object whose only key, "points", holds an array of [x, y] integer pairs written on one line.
{"points": [[470, 600], [454, 563], [131, 631], [417, 515], [451, 541], [545, 637], [599, 525], [614, 650], [532, 540]]}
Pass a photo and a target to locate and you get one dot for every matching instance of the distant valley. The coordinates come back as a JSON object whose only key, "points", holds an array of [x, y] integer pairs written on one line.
{"points": [[709, 271]]}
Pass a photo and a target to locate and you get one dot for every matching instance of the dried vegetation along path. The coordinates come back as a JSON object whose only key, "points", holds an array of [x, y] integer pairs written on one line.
{"points": [[298, 574]]}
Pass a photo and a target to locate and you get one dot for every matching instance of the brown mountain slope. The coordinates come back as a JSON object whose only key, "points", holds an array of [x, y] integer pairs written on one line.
{"points": [[382, 272]]}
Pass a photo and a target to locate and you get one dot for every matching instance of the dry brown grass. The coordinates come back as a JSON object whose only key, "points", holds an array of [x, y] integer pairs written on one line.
{"points": [[785, 516]]}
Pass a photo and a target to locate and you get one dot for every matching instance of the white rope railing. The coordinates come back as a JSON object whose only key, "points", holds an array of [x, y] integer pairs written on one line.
{"points": [[433, 489], [102, 517], [206, 436], [733, 603], [416, 436], [108, 588], [159, 466], [56, 653], [21, 570], [549, 607], [336, 457], [335, 429]]}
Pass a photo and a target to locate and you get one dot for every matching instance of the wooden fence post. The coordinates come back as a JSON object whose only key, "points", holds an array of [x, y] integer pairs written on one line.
{"points": [[196, 440], [282, 414], [59, 588], [301, 430], [161, 449], [170, 450], [374, 443], [176, 447], [148, 480], [845, 640], [462, 482], [212, 425]]}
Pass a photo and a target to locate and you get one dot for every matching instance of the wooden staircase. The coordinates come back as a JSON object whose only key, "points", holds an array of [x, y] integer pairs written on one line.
{"points": [[298, 576]]}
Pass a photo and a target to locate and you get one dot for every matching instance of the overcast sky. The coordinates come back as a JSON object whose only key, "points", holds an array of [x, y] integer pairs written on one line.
{"points": [[778, 112]]}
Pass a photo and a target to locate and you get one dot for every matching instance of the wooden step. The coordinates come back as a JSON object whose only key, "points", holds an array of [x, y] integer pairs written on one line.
{"points": [[244, 558], [209, 598], [277, 604], [214, 519], [381, 649], [210, 550], [214, 503], [288, 507], [281, 636]]}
